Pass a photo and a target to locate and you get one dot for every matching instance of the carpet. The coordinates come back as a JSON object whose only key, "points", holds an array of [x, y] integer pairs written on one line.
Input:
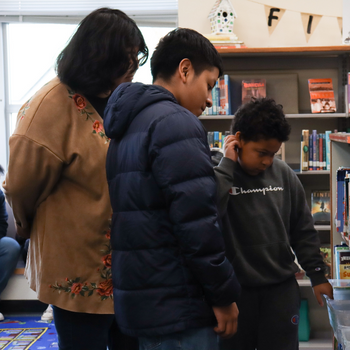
{"points": [[26, 332]]}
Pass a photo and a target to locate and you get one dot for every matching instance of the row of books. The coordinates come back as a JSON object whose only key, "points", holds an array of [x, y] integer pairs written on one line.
{"points": [[216, 138], [315, 150], [221, 97], [221, 94]]}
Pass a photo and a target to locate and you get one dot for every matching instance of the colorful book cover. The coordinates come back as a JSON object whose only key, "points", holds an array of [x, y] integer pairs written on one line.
{"points": [[211, 139], [337, 249], [343, 259], [253, 88], [214, 101], [322, 96], [321, 207]]}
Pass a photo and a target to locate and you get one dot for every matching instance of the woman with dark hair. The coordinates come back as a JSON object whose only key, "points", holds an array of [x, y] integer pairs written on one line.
{"points": [[56, 180]]}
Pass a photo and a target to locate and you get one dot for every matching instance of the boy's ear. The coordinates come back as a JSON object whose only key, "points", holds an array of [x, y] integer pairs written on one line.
{"points": [[185, 67], [239, 138]]}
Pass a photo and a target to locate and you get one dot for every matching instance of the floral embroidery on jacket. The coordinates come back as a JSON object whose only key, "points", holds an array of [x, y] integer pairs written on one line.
{"points": [[24, 109], [104, 289], [83, 108]]}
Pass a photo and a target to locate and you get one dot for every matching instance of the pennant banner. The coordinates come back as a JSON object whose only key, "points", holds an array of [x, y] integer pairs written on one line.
{"points": [[330, 8], [340, 22], [310, 23], [273, 17]]}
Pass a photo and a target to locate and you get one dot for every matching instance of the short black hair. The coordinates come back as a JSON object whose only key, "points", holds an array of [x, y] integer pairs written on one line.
{"points": [[100, 51], [261, 119], [184, 43], [1, 169]]}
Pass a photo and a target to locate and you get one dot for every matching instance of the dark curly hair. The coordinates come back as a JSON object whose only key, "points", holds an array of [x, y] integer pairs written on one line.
{"points": [[102, 49], [183, 43], [261, 119]]}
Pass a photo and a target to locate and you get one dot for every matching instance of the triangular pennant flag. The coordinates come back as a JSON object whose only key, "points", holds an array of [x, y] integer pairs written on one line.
{"points": [[273, 17], [310, 23], [340, 22]]}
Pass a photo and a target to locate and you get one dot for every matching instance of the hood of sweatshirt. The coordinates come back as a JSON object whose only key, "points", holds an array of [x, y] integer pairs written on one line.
{"points": [[127, 101]]}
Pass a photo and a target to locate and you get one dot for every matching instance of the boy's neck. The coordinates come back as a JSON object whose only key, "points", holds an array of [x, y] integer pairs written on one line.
{"points": [[170, 86]]}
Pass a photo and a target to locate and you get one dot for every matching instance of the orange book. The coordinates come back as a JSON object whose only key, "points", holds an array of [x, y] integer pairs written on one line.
{"points": [[322, 96]]}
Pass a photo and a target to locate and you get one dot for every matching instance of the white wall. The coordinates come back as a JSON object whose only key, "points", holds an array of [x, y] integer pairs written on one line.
{"points": [[3, 144], [251, 24]]}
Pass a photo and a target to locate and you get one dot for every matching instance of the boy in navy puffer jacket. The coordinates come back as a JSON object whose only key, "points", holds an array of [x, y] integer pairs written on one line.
{"points": [[172, 282]]}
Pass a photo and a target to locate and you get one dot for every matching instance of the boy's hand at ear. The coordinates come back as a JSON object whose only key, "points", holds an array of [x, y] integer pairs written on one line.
{"points": [[227, 317], [324, 288], [231, 147]]}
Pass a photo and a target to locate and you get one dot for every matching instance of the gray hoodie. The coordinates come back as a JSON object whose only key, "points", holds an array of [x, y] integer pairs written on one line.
{"points": [[263, 217]]}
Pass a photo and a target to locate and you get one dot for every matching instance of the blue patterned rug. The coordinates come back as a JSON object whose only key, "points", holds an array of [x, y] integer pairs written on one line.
{"points": [[20, 333]]}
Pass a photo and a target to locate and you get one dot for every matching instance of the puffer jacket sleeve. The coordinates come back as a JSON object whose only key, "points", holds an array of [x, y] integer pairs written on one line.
{"points": [[181, 165], [3, 216]]}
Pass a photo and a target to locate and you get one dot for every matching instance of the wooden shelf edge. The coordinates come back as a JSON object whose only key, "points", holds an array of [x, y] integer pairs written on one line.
{"points": [[292, 50], [340, 137]]}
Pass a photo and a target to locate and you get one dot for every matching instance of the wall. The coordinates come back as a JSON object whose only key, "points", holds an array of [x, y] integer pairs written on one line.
{"points": [[251, 23], [3, 144]]}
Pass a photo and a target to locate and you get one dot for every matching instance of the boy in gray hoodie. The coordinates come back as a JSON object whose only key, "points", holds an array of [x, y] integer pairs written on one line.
{"points": [[266, 220]]}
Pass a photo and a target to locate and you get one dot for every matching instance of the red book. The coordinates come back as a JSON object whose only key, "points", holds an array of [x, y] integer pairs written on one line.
{"points": [[322, 96]]}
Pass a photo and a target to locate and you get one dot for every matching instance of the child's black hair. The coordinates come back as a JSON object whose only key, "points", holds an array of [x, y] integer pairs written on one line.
{"points": [[184, 43], [261, 119], [106, 44]]}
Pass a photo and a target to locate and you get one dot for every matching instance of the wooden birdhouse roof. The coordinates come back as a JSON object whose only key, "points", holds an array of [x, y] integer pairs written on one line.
{"points": [[217, 5]]}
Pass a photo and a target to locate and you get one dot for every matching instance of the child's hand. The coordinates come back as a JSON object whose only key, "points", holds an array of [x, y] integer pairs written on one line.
{"points": [[227, 317], [231, 147], [324, 288]]}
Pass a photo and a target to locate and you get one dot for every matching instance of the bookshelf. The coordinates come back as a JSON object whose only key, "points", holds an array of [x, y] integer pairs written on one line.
{"points": [[307, 63]]}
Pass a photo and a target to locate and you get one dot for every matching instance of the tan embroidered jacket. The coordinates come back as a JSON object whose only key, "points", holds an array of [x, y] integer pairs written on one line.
{"points": [[56, 184]]}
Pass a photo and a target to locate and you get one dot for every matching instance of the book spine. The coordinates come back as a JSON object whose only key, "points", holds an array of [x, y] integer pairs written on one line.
{"points": [[228, 94], [211, 139], [216, 139], [222, 95], [217, 99], [304, 151], [340, 199], [215, 104], [348, 92], [220, 140], [314, 148], [328, 150], [311, 152], [324, 152], [320, 151]]}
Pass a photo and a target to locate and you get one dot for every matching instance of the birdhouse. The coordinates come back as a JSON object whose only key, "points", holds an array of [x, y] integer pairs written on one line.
{"points": [[222, 17]]}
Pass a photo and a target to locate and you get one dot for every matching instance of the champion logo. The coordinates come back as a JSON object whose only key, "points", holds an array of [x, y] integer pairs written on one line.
{"points": [[234, 191], [295, 319]]}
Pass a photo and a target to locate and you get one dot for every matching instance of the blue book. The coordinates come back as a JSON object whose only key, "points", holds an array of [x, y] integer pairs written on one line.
{"points": [[216, 139], [328, 150], [217, 99], [311, 152], [341, 173], [215, 104]]}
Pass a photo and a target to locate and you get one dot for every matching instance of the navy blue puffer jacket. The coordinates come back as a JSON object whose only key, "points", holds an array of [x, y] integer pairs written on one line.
{"points": [[168, 260]]}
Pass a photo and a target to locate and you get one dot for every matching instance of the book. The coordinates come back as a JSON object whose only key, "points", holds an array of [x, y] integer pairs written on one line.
{"points": [[322, 95], [326, 253], [337, 249], [321, 207], [311, 152], [314, 149], [253, 88], [340, 198], [225, 95], [343, 260], [328, 150], [281, 153], [304, 150]]}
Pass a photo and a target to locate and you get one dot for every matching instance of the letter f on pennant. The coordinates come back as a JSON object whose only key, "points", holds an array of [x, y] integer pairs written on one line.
{"points": [[272, 18]]}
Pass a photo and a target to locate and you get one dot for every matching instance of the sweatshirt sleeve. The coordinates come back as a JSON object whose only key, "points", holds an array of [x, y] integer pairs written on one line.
{"points": [[33, 172], [3, 216], [182, 168], [304, 238], [224, 180]]}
